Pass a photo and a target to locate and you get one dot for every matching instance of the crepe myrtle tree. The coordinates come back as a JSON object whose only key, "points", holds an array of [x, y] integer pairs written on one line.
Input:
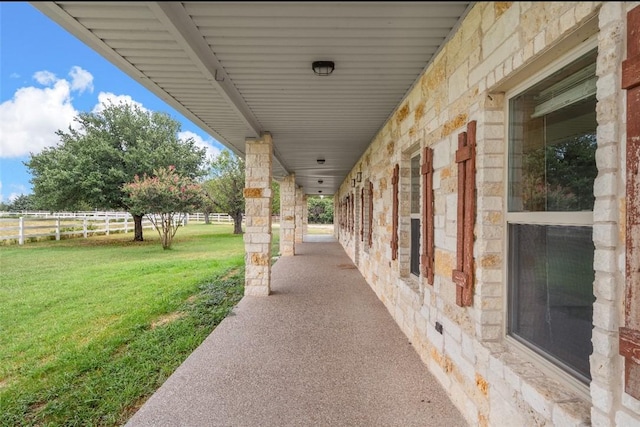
{"points": [[104, 150], [166, 197]]}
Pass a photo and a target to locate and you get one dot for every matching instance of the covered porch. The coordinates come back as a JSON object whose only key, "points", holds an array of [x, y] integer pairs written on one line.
{"points": [[321, 350], [427, 122]]}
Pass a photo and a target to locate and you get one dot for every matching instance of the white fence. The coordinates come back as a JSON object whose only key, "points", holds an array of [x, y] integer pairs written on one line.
{"points": [[25, 226]]}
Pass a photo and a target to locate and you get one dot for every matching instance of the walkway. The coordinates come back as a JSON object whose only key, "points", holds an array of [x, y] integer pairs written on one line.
{"points": [[321, 351]]}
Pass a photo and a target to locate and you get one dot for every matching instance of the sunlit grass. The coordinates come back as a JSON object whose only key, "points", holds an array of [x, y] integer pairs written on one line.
{"points": [[320, 229], [89, 328]]}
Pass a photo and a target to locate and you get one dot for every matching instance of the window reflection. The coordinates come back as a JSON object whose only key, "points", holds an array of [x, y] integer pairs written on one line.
{"points": [[553, 145]]}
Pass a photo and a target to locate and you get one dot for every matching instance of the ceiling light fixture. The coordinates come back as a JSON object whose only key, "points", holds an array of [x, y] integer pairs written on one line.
{"points": [[323, 68], [320, 181], [320, 161]]}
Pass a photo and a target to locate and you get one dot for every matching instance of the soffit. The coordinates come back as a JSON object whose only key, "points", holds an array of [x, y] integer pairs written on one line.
{"points": [[238, 69]]}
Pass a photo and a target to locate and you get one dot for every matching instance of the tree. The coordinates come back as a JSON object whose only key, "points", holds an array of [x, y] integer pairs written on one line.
{"points": [[167, 197], [571, 171], [207, 206], [560, 176], [108, 149], [24, 202], [320, 210], [225, 188]]}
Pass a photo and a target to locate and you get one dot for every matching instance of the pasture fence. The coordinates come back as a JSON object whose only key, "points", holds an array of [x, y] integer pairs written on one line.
{"points": [[28, 226]]}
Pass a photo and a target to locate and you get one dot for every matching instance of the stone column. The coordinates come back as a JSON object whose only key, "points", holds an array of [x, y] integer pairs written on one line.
{"points": [[336, 217], [299, 230], [257, 238], [305, 215], [287, 215]]}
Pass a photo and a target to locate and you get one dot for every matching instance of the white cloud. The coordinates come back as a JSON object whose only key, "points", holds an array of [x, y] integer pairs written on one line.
{"points": [[28, 122], [110, 98], [16, 191], [212, 152], [45, 78], [81, 80], [14, 76]]}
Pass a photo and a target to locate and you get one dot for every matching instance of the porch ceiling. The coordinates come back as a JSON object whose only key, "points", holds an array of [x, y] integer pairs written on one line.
{"points": [[238, 69]]}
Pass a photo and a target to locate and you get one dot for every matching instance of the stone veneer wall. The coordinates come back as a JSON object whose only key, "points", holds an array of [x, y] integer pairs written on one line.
{"points": [[287, 215], [305, 215], [300, 207], [257, 236], [491, 380]]}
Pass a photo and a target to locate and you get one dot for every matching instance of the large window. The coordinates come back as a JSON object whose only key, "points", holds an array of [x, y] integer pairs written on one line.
{"points": [[552, 144]]}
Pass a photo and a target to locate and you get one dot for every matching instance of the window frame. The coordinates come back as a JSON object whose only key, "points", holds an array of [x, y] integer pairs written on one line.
{"points": [[548, 363]]}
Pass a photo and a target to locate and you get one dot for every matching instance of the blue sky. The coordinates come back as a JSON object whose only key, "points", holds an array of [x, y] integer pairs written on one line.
{"points": [[47, 77]]}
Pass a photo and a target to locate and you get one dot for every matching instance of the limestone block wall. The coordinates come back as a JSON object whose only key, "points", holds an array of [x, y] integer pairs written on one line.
{"points": [[305, 215], [257, 236], [287, 215], [300, 207], [491, 379]]}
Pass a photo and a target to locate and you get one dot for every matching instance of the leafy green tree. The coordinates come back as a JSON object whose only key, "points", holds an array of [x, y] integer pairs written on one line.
{"points": [[109, 148], [320, 210], [24, 202], [207, 206], [559, 177], [225, 187], [571, 171], [166, 197]]}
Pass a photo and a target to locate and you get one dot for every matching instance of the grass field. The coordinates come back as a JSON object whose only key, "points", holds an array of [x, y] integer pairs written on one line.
{"points": [[90, 328]]}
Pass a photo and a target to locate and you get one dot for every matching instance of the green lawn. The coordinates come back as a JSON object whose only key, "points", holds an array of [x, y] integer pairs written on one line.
{"points": [[89, 328]]}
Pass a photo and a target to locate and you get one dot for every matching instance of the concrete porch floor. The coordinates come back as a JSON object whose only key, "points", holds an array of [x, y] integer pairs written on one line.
{"points": [[322, 350]]}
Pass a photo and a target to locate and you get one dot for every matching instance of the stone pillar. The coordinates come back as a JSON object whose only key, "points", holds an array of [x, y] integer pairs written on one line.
{"points": [[305, 215], [287, 215], [336, 217], [257, 237], [299, 230]]}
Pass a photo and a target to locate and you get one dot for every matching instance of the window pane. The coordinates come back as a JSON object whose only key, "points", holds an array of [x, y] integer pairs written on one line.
{"points": [[553, 142], [415, 246], [415, 184], [551, 291], [415, 222]]}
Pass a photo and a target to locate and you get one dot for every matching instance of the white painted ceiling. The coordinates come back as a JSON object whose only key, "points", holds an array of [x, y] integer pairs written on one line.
{"points": [[238, 69]]}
